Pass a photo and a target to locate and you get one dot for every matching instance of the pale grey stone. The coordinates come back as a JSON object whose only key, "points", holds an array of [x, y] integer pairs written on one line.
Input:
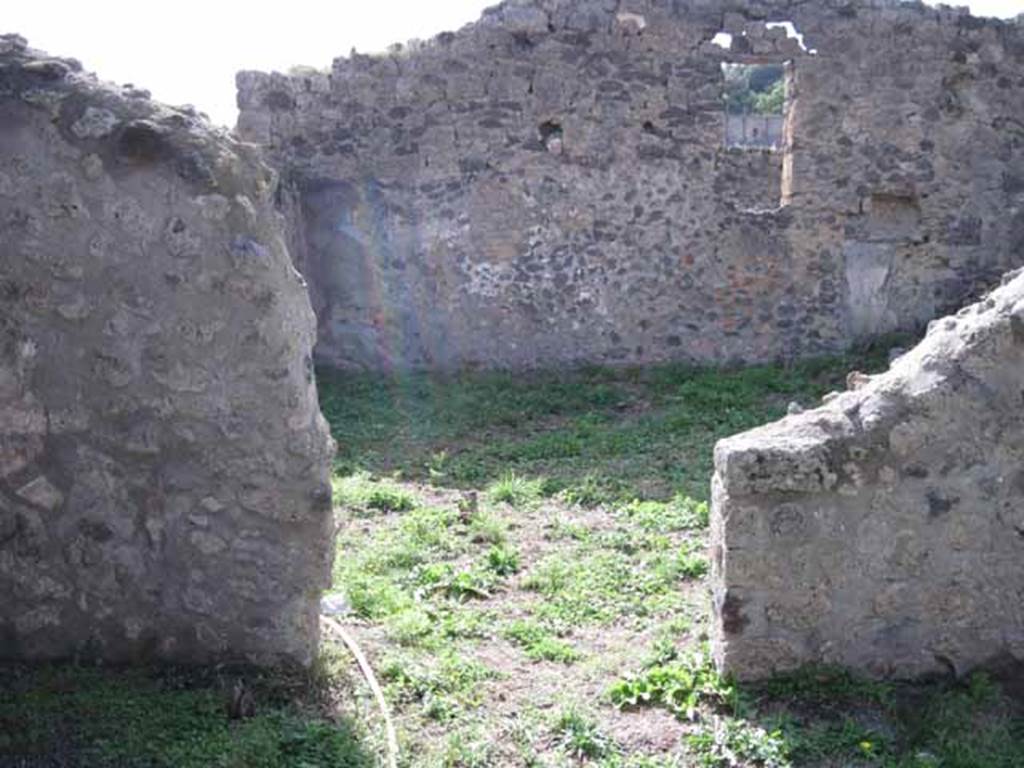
{"points": [[208, 543], [42, 493], [334, 605], [525, 18], [876, 532], [94, 123], [134, 390]]}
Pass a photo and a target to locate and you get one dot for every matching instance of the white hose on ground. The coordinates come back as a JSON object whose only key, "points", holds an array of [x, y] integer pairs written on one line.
{"points": [[371, 679]]}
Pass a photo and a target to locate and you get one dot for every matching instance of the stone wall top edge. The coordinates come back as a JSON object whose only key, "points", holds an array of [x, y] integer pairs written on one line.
{"points": [[797, 454], [125, 126], [23, 67], [536, 19]]}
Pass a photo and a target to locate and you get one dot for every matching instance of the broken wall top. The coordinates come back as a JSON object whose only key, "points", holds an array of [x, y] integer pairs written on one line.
{"points": [[554, 184], [883, 531]]}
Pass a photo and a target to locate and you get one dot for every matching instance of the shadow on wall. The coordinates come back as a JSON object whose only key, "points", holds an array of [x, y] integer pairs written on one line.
{"points": [[371, 280]]}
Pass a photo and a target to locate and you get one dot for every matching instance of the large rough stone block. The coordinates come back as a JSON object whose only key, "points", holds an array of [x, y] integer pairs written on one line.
{"points": [[164, 465], [883, 531]]}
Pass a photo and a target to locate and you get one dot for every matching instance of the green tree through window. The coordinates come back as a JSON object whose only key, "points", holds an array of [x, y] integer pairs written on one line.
{"points": [[754, 89]]}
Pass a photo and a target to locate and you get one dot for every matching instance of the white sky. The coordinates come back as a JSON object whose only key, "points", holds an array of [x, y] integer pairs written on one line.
{"points": [[187, 51]]}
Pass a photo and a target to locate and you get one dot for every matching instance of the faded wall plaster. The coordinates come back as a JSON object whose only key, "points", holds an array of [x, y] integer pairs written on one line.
{"points": [[548, 186]]}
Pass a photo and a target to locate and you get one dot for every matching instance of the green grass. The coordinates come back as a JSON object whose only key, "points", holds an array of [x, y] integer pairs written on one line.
{"points": [[448, 674], [679, 514], [163, 719], [539, 643], [825, 716], [359, 491], [524, 557], [598, 585], [580, 737], [594, 435], [577, 511], [516, 491], [502, 560], [969, 723]]}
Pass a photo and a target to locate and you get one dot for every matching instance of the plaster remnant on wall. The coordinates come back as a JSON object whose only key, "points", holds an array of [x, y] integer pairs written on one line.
{"points": [[883, 531], [155, 370], [634, 22]]}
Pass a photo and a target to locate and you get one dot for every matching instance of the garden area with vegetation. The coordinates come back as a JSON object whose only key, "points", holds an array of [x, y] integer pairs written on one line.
{"points": [[522, 560]]}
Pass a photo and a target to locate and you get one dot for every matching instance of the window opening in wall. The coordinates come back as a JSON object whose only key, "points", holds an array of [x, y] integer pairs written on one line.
{"points": [[755, 105]]}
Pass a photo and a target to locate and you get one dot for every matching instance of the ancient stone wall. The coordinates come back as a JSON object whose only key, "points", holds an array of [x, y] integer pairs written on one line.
{"points": [[550, 185], [163, 462], [883, 531]]}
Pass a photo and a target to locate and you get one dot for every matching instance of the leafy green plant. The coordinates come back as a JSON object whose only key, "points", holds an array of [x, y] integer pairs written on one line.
{"points": [[591, 491], [502, 560], [375, 597], [485, 528], [461, 584], [679, 688], [690, 562], [663, 652], [467, 750], [968, 724], [819, 741], [579, 735], [731, 742], [817, 683], [596, 585], [411, 626], [447, 675], [515, 490], [437, 465]]}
